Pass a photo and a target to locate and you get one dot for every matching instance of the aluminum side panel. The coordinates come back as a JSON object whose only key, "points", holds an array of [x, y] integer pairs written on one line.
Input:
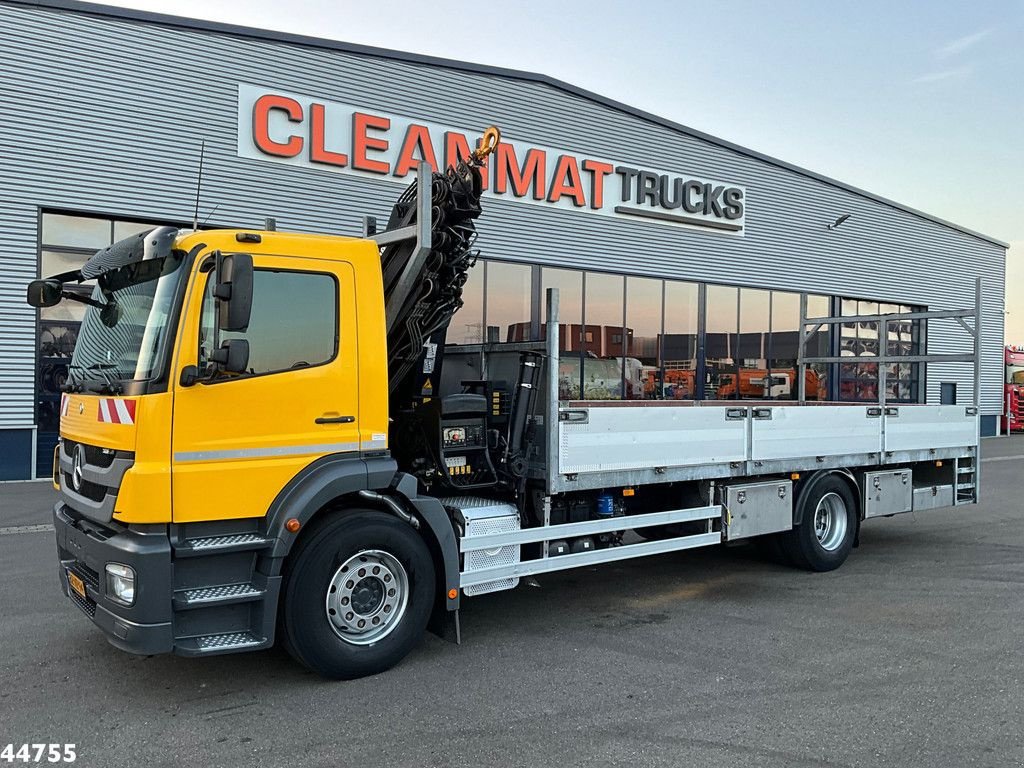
{"points": [[930, 426], [820, 430], [642, 438]]}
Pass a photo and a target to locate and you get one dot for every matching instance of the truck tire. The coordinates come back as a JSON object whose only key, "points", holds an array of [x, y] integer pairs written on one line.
{"points": [[357, 594], [828, 525]]}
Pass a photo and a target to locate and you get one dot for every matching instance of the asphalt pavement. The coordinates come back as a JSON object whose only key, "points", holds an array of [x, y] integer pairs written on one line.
{"points": [[910, 655]]}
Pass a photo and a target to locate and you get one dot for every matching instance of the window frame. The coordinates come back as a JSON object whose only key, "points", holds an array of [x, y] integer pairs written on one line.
{"points": [[210, 274]]}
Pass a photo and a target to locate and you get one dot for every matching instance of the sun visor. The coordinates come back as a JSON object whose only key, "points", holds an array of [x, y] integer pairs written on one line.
{"points": [[155, 244]]}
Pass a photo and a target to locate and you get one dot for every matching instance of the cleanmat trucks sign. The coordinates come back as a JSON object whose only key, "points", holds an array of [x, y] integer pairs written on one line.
{"points": [[307, 131]]}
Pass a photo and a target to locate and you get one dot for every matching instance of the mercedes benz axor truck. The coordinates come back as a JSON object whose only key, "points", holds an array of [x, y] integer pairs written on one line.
{"points": [[265, 438]]}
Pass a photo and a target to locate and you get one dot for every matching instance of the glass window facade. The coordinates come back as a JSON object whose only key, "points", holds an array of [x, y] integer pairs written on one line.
{"points": [[678, 374], [605, 333], [635, 338], [753, 380], [571, 337], [819, 344], [644, 320], [467, 327], [721, 337], [864, 340], [507, 304]]}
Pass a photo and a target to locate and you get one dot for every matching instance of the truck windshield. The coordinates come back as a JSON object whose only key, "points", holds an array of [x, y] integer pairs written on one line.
{"points": [[1015, 374], [125, 339]]}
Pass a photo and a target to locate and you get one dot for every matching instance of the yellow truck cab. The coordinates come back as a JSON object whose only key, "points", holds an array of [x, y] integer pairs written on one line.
{"points": [[227, 399]]}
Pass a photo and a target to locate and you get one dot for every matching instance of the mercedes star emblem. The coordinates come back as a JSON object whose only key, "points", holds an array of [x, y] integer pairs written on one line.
{"points": [[76, 467]]}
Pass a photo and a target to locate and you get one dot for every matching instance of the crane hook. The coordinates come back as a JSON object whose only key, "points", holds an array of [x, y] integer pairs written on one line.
{"points": [[488, 143]]}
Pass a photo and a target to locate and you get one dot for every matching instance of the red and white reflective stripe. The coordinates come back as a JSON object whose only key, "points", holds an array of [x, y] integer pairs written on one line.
{"points": [[64, 405], [115, 410]]}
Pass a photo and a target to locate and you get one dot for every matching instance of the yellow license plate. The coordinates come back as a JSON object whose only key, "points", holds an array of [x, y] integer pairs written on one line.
{"points": [[76, 583]]}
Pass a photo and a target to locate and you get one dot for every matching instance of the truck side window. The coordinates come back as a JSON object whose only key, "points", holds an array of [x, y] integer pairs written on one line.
{"points": [[294, 321]]}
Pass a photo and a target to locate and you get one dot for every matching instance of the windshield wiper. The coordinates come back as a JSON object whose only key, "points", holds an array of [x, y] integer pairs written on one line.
{"points": [[110, 385]]}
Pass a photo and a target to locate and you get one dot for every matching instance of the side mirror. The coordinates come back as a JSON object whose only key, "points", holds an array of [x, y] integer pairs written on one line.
{"points": [[45, 293], [234, 291], [110, 314], [232, 357]]}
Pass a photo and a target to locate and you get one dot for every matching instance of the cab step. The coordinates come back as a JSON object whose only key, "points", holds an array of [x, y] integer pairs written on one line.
{"points": [[224, 594], [218, 545], [211, 645]]}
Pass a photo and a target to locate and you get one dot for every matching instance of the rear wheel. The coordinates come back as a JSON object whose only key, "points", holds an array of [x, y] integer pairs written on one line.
{"points": [[828, 523], [357, 594]]}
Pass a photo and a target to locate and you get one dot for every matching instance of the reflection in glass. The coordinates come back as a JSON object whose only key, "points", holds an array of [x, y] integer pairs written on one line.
{"points": [[293, 324], [467, 326], [901, 340], [570, 327], [679, 342], [56, 263], [75, 231], [818, 345], [508, 302], [720, 344], [752, 381], [643, 331], [604, 339]]}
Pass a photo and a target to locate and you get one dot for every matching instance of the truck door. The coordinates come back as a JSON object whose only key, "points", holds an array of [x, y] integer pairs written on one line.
{"points": [[237, 439]]}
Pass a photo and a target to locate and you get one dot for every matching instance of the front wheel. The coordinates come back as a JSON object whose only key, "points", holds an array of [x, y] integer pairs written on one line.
{"points": [[824, 537], [357, 594]]}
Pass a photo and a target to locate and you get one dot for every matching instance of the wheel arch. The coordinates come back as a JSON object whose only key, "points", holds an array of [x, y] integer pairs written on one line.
{"points": [[808, 486], [334, 482], [318, 487]]}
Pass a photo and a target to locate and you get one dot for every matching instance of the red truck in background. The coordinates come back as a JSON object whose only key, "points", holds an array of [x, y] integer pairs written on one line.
{"points": [[1013, 390]]}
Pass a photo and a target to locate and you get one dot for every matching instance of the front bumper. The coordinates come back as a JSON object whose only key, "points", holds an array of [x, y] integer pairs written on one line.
{"points": [[85, 547]]}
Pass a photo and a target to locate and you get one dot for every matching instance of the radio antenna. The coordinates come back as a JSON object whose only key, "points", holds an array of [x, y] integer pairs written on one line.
{"points": [[199, 186]]}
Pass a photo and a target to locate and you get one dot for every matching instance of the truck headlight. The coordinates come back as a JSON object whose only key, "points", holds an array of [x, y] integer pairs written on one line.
{"points": [[121, 583]]}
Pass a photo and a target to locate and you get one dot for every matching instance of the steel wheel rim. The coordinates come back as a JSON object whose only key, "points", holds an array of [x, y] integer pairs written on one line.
{"points": [[367, 597], [830, 521]]}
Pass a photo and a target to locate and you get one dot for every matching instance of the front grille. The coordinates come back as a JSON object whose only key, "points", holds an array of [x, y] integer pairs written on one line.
{"points": [[103, 470], [98, 457], [89, 490]]}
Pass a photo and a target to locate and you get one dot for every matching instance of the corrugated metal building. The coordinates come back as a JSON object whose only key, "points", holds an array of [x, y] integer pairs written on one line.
{"points": [[680, 256]]}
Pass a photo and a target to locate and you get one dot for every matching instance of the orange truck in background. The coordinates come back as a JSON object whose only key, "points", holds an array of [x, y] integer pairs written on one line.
{"points": [[780, 383]]}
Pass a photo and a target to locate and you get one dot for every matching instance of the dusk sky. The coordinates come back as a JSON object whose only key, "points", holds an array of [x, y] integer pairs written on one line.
{"points": [[921, 102]]}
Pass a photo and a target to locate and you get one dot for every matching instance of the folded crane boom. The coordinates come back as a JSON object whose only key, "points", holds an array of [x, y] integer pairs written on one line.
{"points": [[424, 275]]}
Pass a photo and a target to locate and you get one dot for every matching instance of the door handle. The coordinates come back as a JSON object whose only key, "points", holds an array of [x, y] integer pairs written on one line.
{"points": [[335, 419]]}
